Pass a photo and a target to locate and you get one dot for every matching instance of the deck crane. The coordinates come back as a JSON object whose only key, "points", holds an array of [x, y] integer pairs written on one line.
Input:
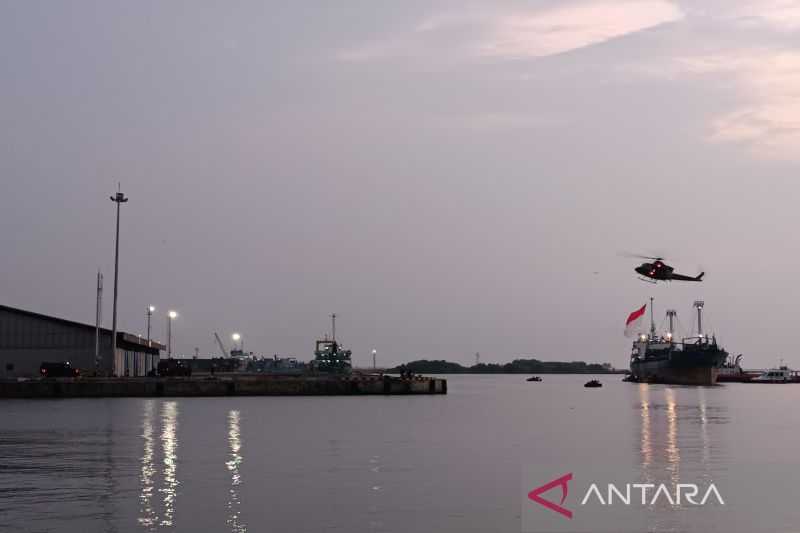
{"points": [[221, 346]]}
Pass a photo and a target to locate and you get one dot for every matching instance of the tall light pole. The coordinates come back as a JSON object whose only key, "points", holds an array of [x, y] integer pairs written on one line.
{"points": [[119, 199], [172, 315], [98, 318], [150, 310], [237, 338]]}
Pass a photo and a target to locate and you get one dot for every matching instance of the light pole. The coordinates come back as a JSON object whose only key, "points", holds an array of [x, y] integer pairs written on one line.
{"points": [[150, 310], [237, 338], [119, 199], [172, 315], [374, 365], [97, 319]]}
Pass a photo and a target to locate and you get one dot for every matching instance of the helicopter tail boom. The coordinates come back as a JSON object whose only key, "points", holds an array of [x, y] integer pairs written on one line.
{"points": [[681, 277]]}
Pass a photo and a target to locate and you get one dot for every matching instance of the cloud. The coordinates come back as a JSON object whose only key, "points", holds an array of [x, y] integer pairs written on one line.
{"points": [[573, 26], [768, 83], [516, 34], [783, 15]]}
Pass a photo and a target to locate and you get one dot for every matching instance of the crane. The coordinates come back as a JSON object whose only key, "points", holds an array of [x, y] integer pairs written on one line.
{"points": [[221, 346]]}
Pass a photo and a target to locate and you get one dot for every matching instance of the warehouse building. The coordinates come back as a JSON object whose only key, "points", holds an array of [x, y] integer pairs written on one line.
{"points": [[28, 339]]}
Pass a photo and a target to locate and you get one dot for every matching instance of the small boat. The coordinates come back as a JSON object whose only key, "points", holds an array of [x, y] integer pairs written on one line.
{"points": [[593, 384], [534, 378], [775, 375]]}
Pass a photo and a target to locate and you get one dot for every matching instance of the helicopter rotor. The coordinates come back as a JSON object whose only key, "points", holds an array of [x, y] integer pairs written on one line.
{"points": [[639, 256]]}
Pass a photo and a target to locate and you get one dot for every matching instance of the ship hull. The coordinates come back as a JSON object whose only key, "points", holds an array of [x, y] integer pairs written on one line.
{"points": [[662, 372], [680, 367]]}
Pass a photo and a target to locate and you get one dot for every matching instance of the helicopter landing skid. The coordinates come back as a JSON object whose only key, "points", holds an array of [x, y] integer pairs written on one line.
{"points": [[646, 280]]}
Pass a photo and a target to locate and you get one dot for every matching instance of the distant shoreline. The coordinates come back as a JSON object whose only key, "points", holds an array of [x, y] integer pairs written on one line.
{"points": [[517, 366], [574, 372]]}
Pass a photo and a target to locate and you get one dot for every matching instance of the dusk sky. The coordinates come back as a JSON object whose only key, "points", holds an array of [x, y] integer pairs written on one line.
{"points": [[449, 178]]}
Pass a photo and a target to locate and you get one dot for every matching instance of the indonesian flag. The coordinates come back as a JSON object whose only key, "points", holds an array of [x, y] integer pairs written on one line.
{"points": [[634, 321]]}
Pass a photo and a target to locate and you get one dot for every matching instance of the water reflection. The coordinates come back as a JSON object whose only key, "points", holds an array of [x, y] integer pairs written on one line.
{"points": [[676, 440], [704, 437], [147, 515], [658, 441], [106, 499], [234, 465], [646, 447], [673, 452], [169, 445]]}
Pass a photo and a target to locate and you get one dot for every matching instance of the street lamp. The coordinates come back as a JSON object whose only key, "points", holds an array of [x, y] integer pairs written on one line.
{"points": [[236, 338], [150, 310], [172, 315], [374, 365], [119, 199]]}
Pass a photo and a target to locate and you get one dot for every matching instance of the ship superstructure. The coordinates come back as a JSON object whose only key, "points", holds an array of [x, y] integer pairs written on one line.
{"points": [[693, 360], [330, 356]]}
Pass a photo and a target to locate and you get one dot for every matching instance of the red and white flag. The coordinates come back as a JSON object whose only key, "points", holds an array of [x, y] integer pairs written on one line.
{"points": [[634, 322]]}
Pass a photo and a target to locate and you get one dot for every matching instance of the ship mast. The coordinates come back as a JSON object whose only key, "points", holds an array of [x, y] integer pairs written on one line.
{"points": [[699, 305], [671, 313], [652, 321]]}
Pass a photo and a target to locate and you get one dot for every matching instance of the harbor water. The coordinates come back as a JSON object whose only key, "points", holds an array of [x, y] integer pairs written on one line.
{"points": [[449, 463]]}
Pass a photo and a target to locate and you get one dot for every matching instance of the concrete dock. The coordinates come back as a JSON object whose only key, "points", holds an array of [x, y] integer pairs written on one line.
{"points": [[236, 385]]}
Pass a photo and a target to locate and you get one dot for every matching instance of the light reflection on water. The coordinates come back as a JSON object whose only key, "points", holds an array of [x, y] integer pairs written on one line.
{"points": [[147, 515], [705, 439], [104, 465], [673, 452], [234, 464], [169, 445], [646, 447], [675, 441]]}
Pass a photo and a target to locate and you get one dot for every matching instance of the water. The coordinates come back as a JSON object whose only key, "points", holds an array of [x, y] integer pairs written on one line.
{"points": [[381, 464]]}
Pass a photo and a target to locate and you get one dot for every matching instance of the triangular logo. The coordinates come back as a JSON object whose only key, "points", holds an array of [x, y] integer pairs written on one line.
{"points": [[535, 495]]}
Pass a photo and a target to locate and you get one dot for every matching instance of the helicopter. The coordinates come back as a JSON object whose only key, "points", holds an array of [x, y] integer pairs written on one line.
{"points": [[658, 270]]}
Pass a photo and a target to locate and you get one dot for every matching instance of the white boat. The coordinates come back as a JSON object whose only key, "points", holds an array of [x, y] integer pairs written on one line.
{"points": [[776, 375]]}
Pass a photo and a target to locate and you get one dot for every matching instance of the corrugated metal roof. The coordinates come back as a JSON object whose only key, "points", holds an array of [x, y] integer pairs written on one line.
{"points": [[121, 335]]}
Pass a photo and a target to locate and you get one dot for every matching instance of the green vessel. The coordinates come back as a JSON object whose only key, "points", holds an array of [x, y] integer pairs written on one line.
{"points": [[329, 356]]}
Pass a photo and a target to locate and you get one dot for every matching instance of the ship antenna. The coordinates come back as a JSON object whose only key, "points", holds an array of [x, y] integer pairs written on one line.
{"points": [[652, 321]]}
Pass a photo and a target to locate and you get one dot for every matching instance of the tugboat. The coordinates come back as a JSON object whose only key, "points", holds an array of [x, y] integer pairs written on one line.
{"points": [[329, 356], [592, 384], [534, 378], [661, 359]]}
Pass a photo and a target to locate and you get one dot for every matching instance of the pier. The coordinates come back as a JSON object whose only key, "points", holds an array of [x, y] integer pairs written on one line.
{"points": [[232, 385]]}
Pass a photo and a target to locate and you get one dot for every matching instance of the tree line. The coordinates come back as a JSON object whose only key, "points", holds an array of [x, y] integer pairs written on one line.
{"points": [[517, 366]]}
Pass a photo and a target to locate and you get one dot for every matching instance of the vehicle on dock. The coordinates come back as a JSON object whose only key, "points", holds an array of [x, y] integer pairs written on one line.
{"points": [[657, 358], [174, 368], [63, 369]]}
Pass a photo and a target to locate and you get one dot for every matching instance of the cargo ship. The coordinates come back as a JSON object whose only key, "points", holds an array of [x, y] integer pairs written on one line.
{"points": [[329, 355], [694, 360]]}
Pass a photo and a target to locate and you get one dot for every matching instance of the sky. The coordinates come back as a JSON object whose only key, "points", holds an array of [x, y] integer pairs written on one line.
{"points": [[447, 177]]}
